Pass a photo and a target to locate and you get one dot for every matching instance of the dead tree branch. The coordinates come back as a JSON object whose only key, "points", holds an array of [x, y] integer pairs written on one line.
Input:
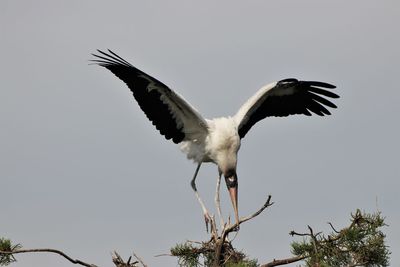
{"points": [[220, 240], [218, 251], [116, 258], [119, 262], [233, 227], [48, 250], [139, 259], [283, 261]]}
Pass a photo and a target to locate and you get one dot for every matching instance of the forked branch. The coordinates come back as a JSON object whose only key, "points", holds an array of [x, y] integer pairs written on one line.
{"points": [[119, 262], [220, 241], [233, 227]]}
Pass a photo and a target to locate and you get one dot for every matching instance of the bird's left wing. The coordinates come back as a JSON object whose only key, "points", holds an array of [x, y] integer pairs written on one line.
{"points": [[284, 98], [175, 118]]}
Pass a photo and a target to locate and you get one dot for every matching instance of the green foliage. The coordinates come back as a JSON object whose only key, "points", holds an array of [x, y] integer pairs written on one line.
{"points": [[7, 246], [191, 254], [243, 263], [187, 254], [360, 244]]}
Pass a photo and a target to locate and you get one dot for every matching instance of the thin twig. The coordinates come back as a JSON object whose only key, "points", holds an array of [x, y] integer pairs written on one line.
{"points": [[293, 233], [48, 250], [165, 254], [314, 239], [119, 262], [333, 228], [139, 259]]}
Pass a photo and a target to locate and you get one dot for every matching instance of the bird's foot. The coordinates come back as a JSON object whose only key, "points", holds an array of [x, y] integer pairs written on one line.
{"points": [[207, 220], [236, 228]]}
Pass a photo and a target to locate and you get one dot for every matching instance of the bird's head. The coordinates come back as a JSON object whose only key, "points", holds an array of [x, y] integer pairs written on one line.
{"points": [[231, 181], [231, 178]]}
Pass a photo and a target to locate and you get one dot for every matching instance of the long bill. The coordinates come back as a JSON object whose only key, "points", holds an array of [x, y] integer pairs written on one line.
{"points": [[232, 184]]}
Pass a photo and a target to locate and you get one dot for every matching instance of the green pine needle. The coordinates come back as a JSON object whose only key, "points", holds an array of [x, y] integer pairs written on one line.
{"points": [[7, 246], [360, 244]]}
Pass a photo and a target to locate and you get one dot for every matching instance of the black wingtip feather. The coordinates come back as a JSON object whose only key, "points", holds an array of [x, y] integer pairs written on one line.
{"points": [[119, 58], [149, 101], [321, 100], [108, 59], [320, 84], [323, 92]]}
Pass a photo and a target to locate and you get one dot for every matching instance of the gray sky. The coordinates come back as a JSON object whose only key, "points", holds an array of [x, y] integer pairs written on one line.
{"points": [[82, 170]]}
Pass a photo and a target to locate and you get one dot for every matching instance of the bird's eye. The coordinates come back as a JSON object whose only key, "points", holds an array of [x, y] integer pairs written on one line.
{"points": [[230, 174]]}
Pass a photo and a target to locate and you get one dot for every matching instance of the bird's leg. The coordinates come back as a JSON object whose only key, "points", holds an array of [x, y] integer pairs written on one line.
{"points": [[217, 200], [207, 217]]}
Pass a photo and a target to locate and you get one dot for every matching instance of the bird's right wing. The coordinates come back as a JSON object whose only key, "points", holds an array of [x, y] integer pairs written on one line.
{"points": [[284, 98], [175, 118]]}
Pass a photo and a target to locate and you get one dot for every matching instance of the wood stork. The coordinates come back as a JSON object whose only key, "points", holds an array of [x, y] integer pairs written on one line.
{"points": [[216, 140]]}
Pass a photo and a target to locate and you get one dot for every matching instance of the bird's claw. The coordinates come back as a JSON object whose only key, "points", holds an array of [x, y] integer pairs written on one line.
{"points": [[236, 228], [207, 220]]}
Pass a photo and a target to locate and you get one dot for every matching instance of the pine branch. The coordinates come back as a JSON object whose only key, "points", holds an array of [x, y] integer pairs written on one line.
{"points": [[362, 243]]}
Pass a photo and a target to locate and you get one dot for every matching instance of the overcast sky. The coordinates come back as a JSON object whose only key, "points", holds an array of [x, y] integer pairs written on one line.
{"points": [[82, 170]]}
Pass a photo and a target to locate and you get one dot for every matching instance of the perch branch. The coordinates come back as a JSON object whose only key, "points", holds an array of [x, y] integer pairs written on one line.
{"points": [[232, 227], [220, 240], [48, 250]]}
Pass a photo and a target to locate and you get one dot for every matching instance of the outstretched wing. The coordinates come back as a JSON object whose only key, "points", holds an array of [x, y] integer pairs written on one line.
{"points": [[284, 98], [175, 118]]}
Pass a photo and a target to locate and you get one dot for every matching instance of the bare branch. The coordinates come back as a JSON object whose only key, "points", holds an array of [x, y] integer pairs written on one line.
{"points": [[119, 262], [333, 228], [221, 240], [139, 259], [314, 239], [283, 261], [293, 233], [48, 250], [232, 227]]}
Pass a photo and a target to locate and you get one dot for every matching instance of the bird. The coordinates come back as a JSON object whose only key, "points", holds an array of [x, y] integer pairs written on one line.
{"points": [[216, 140]]}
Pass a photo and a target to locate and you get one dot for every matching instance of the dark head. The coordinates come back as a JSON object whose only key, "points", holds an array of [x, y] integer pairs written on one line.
{"points": [[232, 185]]}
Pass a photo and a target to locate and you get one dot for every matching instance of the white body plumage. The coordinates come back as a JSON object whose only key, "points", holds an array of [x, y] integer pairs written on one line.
{"points": [[219, 146]]}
